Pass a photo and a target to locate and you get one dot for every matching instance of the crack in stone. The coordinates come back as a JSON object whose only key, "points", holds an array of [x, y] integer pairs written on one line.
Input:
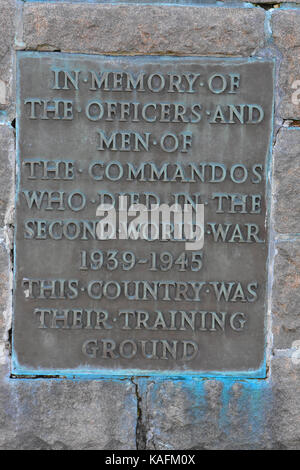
{"points": [[294, 123], [8, 343], [286, 123], [141, 431], [267, 6]]}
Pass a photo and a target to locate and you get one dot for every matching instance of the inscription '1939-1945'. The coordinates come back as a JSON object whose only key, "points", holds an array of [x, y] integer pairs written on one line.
{"points": [[160, 134]]}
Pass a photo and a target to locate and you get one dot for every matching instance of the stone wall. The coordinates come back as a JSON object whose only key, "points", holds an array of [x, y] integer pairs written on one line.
{"points": [[151, 413]]}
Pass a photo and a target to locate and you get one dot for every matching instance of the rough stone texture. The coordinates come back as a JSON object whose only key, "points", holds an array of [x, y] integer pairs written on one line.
{"points": [[148, 29], [5, 298], [60, 414], [7, 28], [7, 155], [285, 403], [7, 165], [208, 414], [286, 189], [286, 295], [224, 413], [286, 36]]}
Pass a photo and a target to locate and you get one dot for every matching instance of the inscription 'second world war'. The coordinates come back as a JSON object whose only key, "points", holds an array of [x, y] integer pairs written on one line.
{"points": [[156, 131]]}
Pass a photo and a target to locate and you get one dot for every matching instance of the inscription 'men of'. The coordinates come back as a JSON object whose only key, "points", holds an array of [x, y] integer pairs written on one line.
{"points": [[156, 133]]}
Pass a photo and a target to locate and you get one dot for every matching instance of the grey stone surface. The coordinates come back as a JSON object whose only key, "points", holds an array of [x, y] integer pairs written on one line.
{"points": [[60, 414], [285, 25], [224, 413], [207, 414], [286, 190], [7, 28], [7, 155], [285, 381], [286, 295], [5, 297], [147, 29]]}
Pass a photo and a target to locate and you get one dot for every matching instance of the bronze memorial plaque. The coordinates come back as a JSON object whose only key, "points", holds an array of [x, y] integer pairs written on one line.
{"points": [[141, 215]]}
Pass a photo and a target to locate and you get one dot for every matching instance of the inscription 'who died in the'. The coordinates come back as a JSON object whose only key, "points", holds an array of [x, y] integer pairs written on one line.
{"points": [[154, 131]]}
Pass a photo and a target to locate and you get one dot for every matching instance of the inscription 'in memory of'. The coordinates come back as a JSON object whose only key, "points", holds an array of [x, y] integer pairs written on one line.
{"points": [[158, 130]]}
